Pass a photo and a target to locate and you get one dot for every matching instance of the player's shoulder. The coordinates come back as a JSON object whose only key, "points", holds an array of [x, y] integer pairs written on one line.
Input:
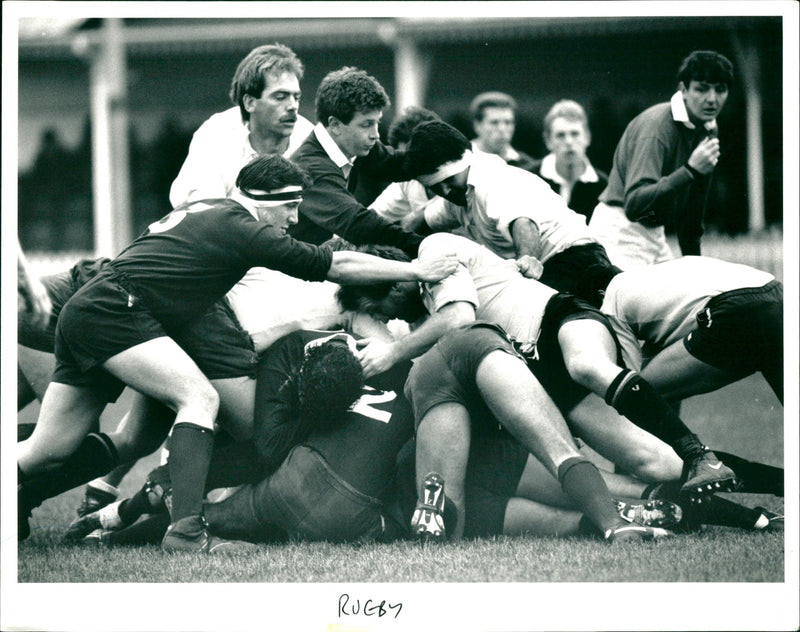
{"points": [[446, 241], [225, 121]]}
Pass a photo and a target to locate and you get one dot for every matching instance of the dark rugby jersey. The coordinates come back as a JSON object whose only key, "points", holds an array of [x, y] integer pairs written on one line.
{"points": [[362, 449], [190, 258]]}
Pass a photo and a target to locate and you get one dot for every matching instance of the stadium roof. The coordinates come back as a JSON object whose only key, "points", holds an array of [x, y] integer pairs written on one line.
{"points": [[145, 36]]}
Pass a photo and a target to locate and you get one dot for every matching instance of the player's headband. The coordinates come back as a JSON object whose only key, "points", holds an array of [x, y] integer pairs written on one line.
{"points": [[276, 197], [446, 170]]}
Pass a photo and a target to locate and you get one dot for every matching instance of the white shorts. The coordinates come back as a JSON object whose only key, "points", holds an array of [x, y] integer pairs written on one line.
{"points": [[628, 244]]}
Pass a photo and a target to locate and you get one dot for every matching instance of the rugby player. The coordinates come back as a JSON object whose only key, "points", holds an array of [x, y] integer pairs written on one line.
{"points": [[568, 343], [264, 119], [515, 214], [159, 284], [662, 168], [344, 155]]}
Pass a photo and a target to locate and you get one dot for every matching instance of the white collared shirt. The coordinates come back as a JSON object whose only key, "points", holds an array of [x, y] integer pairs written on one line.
{"points": [[219, 149], [681, 115], [548, 170], [332, 149]]}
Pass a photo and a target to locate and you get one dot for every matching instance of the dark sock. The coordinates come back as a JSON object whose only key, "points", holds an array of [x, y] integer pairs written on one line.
{"points": [[587, 527], [189, 457], [95, 456], [131, 508], [757, 478], [720, 511], [634, 398], [148, 531], [582, 482]]}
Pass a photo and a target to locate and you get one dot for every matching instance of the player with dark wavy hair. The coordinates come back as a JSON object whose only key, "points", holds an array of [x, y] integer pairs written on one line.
{"points": [[348, 165], [512, 212], [662, 168]]}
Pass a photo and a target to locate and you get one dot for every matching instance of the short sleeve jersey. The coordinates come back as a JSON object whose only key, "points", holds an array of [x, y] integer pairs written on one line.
{"points": [[659, 303], [190, 258], [498, 194], [494, 286]]}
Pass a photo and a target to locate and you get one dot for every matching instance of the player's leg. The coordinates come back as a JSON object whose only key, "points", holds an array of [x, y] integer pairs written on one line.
{"points": [[523, 407], [677, 374], [159, 368], [443, 441], [590, 351], [37, 369], [61, 448], [236, 405]]}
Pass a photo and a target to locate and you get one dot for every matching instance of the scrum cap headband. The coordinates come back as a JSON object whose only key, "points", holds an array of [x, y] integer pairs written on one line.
{"points": [[446, 170], [276, 197]]}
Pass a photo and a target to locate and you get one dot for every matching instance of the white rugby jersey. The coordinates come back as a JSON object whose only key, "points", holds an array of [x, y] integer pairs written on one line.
{"points": [[497, 194], [658, 304]]}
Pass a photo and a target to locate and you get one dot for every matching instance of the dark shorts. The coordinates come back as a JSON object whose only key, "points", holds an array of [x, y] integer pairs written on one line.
{"points": [[60, 288], [549, 368], [218, 344], [583, 270], [307, 500], [446, 373], [741, 330], [101, 320], [493, 473]]}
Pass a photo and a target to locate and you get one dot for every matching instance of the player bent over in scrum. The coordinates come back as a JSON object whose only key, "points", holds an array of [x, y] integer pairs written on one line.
{"points": [[569, 345], [475, 368], [322, 464], [161, 283]]}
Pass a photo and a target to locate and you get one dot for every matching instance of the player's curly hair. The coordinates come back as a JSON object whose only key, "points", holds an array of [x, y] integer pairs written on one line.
{"points": [[402, 126], [329, 382], [251, 73], [706, 65], [364, 297], [431, 145], [270, 172], [344, 92]]}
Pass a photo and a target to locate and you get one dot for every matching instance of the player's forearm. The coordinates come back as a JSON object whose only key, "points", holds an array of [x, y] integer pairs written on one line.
{"points": [[356, 267], [526, 237], [653, 203]]}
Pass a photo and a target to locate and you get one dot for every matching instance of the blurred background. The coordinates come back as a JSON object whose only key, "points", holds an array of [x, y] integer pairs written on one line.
{"points": [[107, 106]]}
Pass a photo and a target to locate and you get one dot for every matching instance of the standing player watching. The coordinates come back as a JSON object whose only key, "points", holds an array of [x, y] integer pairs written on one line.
{"points": [[163, 281], [567, 168], [264, 120], [494, 119], [661, 174], [344, 149]]}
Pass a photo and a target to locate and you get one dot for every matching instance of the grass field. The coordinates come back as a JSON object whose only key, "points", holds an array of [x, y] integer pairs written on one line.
{"points": [[744, 418], [722, 576]]}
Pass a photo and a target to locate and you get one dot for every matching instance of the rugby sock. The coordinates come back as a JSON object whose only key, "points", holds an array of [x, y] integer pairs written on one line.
{"points": [[189, 458], [582, 482], [720, 511], [757, 478], [95, 456], [632, 396], [131, 508], [150, 530]]}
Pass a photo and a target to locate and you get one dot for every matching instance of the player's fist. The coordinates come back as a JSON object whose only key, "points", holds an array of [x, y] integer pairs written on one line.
{"points": [[705, 156], [530, 266]]}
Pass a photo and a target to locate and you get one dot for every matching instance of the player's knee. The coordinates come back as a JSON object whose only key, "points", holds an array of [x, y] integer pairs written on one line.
{"points": [[652, 467]]}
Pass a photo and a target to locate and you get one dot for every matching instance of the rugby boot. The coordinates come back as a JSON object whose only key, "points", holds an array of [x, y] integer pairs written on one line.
{"points": [[95, 498], [190, 535], [706, 475], [768, 521], [626, 532], [104, 519], [427, 523], [651, 513]]}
